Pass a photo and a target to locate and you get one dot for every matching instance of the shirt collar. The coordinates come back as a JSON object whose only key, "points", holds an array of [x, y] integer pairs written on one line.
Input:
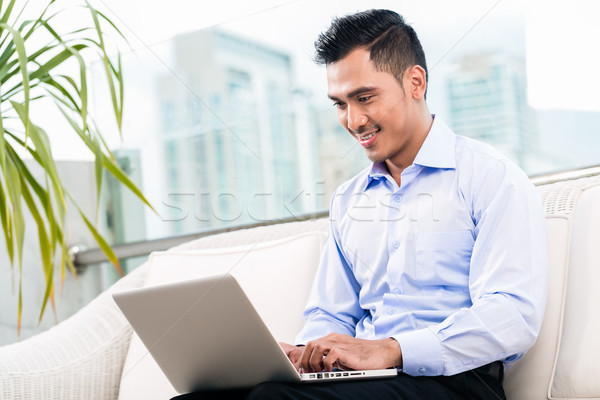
{"points": [[376, 174], [437, 151]]}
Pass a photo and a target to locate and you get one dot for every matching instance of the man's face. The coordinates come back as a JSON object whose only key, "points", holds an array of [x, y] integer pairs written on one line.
{"points": [[374, 107]]}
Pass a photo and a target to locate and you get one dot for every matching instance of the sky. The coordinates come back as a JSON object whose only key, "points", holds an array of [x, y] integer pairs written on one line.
{"points": [[563, 54], [557, 38]]}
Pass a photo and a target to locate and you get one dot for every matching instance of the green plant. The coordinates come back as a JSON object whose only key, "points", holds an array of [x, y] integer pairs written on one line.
{"points": [[32, 72]]}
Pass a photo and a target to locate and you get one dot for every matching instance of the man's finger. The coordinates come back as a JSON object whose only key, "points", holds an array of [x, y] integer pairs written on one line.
{"points": [[331, 359], [304, 357], [316, 359]]}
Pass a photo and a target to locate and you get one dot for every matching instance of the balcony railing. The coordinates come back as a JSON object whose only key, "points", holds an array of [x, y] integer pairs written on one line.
{"points": [[84, 258]]}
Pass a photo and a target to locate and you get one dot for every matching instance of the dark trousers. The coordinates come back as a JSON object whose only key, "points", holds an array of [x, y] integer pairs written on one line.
{"points": [[484, 383]]}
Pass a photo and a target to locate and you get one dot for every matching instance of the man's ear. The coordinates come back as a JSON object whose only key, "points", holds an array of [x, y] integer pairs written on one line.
{"points": [[418, 81]]}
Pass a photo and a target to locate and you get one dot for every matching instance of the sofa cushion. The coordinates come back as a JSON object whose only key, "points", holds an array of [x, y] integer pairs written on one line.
{"points": [[577, 367], [276, 276], [563, 363], [529, 378]]}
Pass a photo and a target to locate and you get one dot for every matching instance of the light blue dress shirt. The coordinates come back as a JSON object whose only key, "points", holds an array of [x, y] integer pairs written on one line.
{"points": [[453, 264]]}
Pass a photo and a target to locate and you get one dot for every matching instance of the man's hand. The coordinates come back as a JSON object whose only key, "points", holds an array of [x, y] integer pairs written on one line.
{"points": [[293, 352], [345, 352]]}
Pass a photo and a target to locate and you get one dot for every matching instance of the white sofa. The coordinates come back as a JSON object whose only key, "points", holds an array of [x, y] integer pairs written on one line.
{"points": [[83, 357]]}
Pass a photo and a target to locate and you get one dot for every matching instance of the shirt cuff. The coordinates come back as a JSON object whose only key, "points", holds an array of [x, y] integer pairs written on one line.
{"points": [[421, 353]]}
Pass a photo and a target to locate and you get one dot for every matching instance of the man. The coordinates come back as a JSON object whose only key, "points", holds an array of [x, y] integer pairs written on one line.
{"points": [[436, 262]]}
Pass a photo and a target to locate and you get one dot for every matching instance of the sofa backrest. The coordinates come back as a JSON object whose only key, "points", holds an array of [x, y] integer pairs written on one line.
{"points": [[564, 363]]}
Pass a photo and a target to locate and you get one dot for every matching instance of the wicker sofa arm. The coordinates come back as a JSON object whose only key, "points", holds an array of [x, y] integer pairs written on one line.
{"points": [[80, 358]]}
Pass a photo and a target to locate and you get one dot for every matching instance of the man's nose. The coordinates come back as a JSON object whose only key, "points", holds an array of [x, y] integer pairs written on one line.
{"points": [[356, 120]]}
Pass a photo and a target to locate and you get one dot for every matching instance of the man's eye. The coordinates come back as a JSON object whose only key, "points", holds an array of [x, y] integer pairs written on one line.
{"points": [[338, 104], [364, 98]]}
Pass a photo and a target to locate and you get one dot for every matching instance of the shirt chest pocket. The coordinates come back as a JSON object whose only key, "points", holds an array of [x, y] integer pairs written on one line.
{"points": [[443, 258]]}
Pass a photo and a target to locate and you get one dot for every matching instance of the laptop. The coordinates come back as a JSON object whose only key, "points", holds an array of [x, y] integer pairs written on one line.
{"points": [[205, 334]]}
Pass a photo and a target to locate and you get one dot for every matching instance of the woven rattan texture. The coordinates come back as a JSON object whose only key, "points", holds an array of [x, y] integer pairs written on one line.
{"points": [[560, 198]]}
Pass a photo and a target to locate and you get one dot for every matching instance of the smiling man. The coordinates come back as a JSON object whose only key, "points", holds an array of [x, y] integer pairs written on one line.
{"points": [[436, 262]]}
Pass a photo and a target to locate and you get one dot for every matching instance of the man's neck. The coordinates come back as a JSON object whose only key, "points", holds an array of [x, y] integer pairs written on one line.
{"points": [[397, 166]]}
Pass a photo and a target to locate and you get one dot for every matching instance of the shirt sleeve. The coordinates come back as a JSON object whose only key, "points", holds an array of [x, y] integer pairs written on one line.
{"points": [[507, 283], [333, 304]]}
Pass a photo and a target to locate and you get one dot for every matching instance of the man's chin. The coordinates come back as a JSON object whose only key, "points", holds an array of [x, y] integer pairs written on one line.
{"points": [[374, 157]]}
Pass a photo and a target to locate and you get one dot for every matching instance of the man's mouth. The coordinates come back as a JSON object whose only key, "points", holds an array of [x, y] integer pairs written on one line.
{"points": [[369, 136], [367, 140]]}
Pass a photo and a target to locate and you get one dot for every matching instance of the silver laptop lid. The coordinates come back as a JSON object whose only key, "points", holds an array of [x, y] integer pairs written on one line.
{"points": [[205, 334]]}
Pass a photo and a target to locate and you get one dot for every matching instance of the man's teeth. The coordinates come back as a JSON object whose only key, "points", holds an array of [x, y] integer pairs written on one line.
{"points": [[369, 136]]}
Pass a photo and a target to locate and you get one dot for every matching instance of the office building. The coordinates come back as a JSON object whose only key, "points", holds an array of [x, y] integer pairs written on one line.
{"points": [[487, 100]]}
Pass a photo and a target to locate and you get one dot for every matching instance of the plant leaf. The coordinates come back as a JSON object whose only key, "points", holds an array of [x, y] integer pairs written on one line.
{"points": [[6, 224], [57, 60], [12, 178], [117, 107], [41, 193], [22, 56], [6, 15], [47, 241], [110, 165], [98, 157], [43, 70], [65, 259], [106, 249], [118, 173], [52, 83], [25, 173], [42, 145], [46, 247], [14, 192], [2, 145]]}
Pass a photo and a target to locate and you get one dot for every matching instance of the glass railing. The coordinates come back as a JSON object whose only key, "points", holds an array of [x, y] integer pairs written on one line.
{"points": [[85, 258]]}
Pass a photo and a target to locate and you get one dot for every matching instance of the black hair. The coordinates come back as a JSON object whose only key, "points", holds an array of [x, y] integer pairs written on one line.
{"points": [[394, 46]]}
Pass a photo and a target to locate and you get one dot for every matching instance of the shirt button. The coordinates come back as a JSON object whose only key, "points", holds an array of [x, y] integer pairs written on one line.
{"points": [[396, 244], [397, 198], [422, 370]]}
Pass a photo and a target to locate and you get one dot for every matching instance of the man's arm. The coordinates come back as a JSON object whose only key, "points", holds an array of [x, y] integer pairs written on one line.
{"points": [[333, 304]]}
